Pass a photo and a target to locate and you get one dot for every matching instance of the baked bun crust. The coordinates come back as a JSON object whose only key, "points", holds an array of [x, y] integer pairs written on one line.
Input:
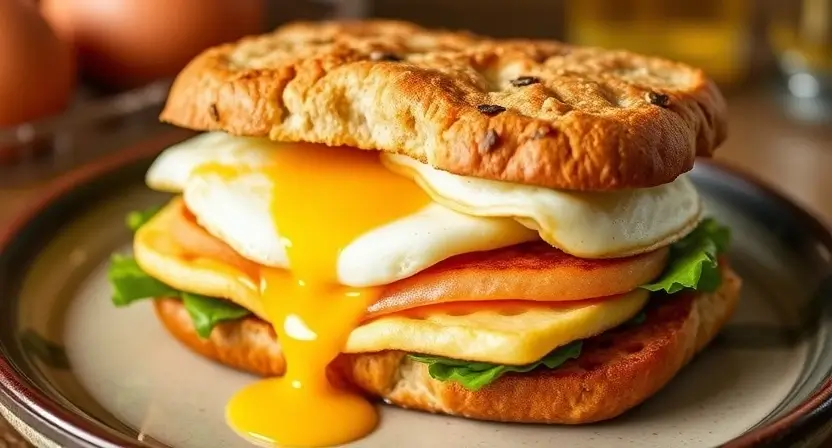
{"points": [[533, 112], [616, 371]]}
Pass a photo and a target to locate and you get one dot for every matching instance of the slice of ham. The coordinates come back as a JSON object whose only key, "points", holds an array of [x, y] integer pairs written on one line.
{"points": [[530, 272]]}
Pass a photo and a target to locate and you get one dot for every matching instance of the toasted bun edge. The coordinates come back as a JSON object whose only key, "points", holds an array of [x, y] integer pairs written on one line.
{"points": [[596, 120]]}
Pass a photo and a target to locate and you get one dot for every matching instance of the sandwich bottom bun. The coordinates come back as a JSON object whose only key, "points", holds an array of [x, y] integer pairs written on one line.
{"points": [[616, 371]]}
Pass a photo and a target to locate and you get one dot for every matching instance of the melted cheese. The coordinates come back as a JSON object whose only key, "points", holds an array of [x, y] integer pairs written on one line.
{"points": [[319, 202], [505, 332], [587, 225]]}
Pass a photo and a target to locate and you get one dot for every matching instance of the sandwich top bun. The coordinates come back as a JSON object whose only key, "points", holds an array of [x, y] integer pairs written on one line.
{"points": [[533, 112]]}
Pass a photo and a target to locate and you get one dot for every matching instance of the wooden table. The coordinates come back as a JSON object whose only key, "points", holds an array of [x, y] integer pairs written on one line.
{"points": [[793, 157]]}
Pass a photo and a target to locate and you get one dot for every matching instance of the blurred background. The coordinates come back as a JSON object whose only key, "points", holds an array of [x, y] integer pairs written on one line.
{"points": [[82, 78]]}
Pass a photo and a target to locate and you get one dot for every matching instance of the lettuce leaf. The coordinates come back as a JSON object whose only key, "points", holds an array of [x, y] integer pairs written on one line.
{"points": [[207, 312], [138, 218], [476, 375], [130, 283], [693, 260]]}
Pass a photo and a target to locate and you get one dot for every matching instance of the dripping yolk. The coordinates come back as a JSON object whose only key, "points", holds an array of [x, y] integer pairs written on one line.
{"points": [[322, 199]]}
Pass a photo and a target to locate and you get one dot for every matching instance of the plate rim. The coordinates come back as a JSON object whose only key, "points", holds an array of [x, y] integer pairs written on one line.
{"points": [[46, 416]]}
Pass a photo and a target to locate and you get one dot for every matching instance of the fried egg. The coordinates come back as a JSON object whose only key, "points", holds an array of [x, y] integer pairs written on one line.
{"points": [[583, 224], [237, 210]]}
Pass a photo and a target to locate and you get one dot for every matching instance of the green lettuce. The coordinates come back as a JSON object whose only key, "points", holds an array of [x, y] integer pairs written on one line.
{"points": [[138, 218], [207, 312], [130, 283], [476, 375], [693, 260]]}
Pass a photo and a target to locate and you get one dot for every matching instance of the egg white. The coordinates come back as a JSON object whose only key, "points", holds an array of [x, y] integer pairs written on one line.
{"points": [[584, 224], [172, 168]]}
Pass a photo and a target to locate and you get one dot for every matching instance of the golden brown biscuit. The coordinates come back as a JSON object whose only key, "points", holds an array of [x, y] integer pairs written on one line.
{"points": [[616, 371], [532, 112]]}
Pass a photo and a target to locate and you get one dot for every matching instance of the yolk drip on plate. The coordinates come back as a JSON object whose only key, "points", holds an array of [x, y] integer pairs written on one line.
{"points": [[322, 199]]}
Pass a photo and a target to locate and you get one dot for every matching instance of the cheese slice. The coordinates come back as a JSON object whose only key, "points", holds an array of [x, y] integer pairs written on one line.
{"points": [[497, 332]]}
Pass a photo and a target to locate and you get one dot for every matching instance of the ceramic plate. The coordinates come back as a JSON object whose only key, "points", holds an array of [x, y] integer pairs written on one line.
{"points": [[76, 371]]}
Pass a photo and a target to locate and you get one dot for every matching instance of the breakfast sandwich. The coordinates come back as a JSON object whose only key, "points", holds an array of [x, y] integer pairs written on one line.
{"points": [[495, 229]]}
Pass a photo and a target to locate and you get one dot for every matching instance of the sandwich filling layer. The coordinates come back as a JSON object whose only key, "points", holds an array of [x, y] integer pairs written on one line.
{"points": [[515, 330], [172, 240], [342, 251], [482, 285]]}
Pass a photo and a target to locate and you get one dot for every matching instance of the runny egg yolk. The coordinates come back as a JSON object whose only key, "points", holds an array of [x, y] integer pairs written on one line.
{"points": [[322, 199]]}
